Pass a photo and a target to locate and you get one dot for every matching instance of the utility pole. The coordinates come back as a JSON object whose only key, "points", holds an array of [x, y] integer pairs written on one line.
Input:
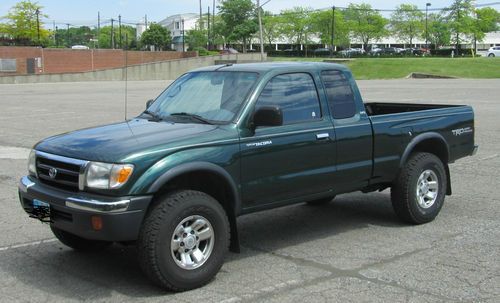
{"points": [[183, 37], [55, 36], [208, 31], [67, 35], [426, 25], [213, 25], [457, 43], [112, 34], [98, 28], [38, 25], [54, 29], [146, 21], [333, 32], [261, 37], [120, 30], [201, 17]]}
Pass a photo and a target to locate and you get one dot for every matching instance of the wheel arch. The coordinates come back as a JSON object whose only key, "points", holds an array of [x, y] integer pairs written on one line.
{"points": [[433, 143], [210, 179]]}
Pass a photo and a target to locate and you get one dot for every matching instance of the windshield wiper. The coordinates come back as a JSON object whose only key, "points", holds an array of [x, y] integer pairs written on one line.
{"points": [[193, 117], [155, 117]]}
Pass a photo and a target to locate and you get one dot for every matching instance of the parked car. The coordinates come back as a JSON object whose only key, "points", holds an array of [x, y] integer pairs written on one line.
{"points": [[391, 51], [350, 52], [494, 51], [375, 51], [224, 141], [229, 50], [79, 47], [322, 52]]}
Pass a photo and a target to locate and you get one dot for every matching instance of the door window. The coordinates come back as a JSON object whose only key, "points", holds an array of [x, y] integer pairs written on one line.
{"points": [[296, 96]]}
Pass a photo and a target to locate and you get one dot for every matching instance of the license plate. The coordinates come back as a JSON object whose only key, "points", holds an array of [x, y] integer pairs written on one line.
{"points": [[40, 204]]}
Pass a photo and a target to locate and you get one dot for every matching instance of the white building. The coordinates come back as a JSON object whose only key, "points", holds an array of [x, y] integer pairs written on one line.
{"points": [[178, 25]]}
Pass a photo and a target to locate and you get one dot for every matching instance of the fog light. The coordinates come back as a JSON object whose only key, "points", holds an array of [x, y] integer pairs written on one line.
{"points": [[96, 222]]}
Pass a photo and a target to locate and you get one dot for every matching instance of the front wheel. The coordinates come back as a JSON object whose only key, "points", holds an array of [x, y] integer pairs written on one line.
{"points": [[184, 240], [419, 191], [491, 55]]}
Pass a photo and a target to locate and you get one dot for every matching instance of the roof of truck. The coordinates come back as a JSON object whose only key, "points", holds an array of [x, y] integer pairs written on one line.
{"points": [[273, 66]]}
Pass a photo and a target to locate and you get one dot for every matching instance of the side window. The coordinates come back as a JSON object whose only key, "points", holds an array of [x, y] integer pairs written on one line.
{"points": [[339, 93], [295, 94]]}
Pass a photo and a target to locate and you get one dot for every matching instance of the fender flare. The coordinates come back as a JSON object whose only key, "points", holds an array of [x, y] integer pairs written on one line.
{"points": [[213, 168], [420, 138]]}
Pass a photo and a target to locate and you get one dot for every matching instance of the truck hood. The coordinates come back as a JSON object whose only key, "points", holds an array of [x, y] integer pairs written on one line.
{"points": [[114, 142]]}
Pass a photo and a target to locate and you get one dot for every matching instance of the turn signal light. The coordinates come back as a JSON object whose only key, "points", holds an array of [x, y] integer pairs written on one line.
{"points": [[96, 222]]}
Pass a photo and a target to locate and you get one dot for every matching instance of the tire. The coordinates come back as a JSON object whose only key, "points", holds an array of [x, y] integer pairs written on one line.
{"points": [[416, 206], [491, 55], [168, 224], [320, 202], [78, 243]]}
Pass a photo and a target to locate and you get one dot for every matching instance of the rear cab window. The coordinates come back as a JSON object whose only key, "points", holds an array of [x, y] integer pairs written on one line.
{"points": [[339, 93]]}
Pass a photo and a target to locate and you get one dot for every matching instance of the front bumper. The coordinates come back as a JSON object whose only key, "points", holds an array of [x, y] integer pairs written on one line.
{"points": [[121, 216]]}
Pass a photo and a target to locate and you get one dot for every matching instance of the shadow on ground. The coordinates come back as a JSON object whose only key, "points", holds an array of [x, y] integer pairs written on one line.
{"points": [[57, 270]]}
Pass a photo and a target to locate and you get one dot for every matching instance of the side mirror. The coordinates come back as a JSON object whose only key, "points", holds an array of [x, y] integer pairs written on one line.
{"points": [[149, 102], [268, 116]]}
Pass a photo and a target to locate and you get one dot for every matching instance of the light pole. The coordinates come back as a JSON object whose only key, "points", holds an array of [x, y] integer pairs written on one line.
{"points": [[261, 36], [38, 25], [333, 31], [183, 42], [426, 25]]}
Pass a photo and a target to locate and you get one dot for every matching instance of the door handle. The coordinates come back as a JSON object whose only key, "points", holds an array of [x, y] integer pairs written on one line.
{"points": [[322, 136]]}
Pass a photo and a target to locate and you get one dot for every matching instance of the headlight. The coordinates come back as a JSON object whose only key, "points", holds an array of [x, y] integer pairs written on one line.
{"points": [[107, 176], [32, 163]]}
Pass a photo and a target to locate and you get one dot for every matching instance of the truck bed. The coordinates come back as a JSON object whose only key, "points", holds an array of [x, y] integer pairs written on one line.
{"points": [[378, 108]]}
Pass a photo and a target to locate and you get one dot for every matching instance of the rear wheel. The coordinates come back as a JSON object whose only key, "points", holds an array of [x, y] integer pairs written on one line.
{"points": [[419, 191], [320, 202], [78, 243], [184, 240]]}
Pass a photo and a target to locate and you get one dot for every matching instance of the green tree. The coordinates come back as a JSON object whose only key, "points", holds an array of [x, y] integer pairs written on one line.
{"points": [[196, 38], [407, 22], [459, 17], [438, 31], [486, 20], [239, 20], [366, 24], [271, 27], [22, 23], [321, 22], [157, 36], [296, 25]]}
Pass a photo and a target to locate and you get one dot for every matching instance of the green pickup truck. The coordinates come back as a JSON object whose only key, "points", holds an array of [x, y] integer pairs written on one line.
{"points": [[228, 140]]}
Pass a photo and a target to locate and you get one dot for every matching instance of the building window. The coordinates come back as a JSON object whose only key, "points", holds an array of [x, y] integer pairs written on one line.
{"points": [[8, 65], [177, 25]]}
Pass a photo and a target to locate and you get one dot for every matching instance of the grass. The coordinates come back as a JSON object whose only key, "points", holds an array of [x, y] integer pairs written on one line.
{"points": [[394, 68]]}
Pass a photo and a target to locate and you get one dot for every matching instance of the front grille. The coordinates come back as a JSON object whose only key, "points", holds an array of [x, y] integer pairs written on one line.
{"points": [[66, 175]]}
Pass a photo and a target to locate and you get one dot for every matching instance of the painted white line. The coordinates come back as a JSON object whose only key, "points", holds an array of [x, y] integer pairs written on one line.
{"points": [[262, 291], [14, 153], [489, 157], [28, 244]]}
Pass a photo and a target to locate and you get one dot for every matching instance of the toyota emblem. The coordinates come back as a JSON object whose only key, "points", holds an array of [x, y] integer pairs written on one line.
{"points": [[52, 173]]}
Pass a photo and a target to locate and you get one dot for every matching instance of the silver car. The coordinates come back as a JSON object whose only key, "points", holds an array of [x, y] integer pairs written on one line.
{"points": [[494, 51]]}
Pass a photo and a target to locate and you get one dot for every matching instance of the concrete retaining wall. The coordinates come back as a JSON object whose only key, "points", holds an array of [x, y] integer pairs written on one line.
{"points": [[165, 70]]}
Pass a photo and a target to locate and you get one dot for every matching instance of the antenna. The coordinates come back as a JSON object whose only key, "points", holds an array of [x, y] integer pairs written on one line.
{"points": [[125, 70]]}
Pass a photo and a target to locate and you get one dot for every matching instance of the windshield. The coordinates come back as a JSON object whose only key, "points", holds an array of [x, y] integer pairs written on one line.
{"points": [[213, 96]]}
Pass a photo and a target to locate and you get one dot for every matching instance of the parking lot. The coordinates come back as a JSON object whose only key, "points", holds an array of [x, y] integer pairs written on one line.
{"points": [[354, 249]]}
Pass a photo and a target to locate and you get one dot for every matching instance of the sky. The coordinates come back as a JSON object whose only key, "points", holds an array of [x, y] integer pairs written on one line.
{"points": [[78, 12]]}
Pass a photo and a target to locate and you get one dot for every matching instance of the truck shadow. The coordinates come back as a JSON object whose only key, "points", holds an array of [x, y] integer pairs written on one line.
{"points": [[52, 270]]}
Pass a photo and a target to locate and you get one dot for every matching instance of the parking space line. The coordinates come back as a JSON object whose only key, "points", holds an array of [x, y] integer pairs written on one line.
{"points": [[33, 243]]}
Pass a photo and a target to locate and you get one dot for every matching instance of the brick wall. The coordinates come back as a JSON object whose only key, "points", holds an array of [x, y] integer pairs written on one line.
{"points": [[55, 60]]}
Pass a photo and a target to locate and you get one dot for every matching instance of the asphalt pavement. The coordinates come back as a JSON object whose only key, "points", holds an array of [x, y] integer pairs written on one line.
{"points": [[352, 250]]}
